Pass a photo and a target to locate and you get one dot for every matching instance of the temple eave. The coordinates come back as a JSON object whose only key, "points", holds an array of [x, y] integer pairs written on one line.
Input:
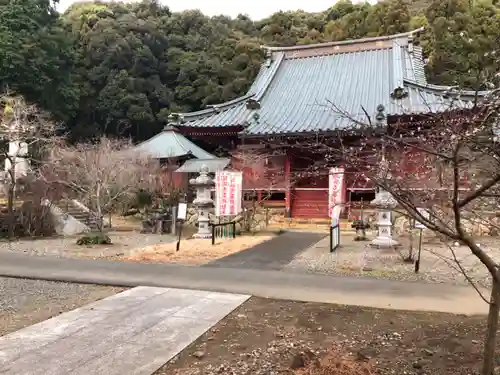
{"points": [[211, 130]]}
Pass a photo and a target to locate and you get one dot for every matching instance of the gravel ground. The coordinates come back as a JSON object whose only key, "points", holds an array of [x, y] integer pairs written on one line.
{"points": [[26, 302], [270, 337], [358, 259], [122, 244]]}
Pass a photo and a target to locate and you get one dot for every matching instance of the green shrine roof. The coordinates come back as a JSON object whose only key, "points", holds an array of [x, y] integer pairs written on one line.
{"points": [[325, 86], [171, 144]]}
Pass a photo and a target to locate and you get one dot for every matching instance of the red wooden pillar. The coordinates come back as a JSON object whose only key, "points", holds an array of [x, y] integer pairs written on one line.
{"points": [[288, 200]]}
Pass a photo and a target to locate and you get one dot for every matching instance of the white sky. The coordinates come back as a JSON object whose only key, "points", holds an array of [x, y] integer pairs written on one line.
{"points": [[256, 9]]}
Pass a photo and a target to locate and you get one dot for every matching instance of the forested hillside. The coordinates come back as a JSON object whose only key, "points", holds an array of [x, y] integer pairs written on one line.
{"points": [[120, 68]]}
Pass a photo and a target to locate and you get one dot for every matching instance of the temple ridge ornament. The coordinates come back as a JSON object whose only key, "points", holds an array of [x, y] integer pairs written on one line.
{"points": [[203, 201], [399, 93], [380, 116], [252, 104]]}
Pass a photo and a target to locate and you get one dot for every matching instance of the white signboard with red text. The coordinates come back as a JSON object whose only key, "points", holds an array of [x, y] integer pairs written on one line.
{"points": [[228, 193], [335, 192]]}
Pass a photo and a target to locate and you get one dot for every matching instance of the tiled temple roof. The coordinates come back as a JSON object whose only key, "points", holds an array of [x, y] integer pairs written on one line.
{"points": [[323, 87]]}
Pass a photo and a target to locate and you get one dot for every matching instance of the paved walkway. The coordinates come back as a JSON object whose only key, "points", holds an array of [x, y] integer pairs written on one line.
{"points": [[133, 333], [270, 255], [271, 284]]}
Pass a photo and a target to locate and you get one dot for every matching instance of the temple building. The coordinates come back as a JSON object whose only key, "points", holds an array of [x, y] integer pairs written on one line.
{"points": [[316, 91]]}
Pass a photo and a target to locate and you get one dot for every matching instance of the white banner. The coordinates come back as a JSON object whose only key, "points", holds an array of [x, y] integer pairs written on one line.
{"points": [[335, 192], [425, 214], [228, 193]]}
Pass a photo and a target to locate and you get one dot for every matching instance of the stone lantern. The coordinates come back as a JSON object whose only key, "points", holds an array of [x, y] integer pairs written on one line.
{"points": [[384, 201], [203, 202]]}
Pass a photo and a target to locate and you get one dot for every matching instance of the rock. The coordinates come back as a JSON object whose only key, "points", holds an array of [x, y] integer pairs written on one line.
{"points": [[428, 352], [199, 354], [300, 360], [402, 225], [419, 364], [363, 355]]}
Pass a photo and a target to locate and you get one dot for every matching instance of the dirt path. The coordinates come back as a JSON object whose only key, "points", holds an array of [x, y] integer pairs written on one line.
{"points": [[268, 336]]}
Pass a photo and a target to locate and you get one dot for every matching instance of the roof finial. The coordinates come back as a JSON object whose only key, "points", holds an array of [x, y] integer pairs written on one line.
{"points": [[173, 120], [380, 116]]}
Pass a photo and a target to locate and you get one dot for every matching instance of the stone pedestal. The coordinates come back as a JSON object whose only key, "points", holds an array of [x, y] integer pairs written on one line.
{"points": [[17, 159], [203, 202], [385, 203]]}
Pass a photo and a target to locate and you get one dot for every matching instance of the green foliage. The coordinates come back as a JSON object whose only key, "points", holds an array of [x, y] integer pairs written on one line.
{"points": [[36, 55], [121, 68], [94, 239]]}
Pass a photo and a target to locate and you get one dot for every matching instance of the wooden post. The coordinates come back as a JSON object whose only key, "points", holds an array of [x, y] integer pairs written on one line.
{"points": [[213, 234], [178, 246], [288, 203]]}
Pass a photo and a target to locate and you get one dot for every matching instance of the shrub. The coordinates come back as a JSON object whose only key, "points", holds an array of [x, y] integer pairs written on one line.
{"points": [[30, 220], [94, 239]]}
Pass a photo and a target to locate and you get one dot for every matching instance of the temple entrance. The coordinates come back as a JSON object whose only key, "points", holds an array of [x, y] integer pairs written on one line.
{"points": [[309, 192]]}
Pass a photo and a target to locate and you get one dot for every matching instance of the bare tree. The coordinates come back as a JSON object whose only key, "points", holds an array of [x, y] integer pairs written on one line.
{"points": [[447, 164], [101, 174], [262, 175], [26, 132]]}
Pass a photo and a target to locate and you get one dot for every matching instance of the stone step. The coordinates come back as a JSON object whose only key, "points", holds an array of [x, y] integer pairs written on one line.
{"points": [[315, 227]]}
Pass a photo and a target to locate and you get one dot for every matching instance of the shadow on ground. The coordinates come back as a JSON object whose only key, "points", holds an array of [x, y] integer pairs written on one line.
{"points": [[270, 255]]}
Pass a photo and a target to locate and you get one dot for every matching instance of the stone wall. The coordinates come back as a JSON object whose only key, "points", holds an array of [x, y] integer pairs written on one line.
{"points": [[488, 226], [252, 219]]}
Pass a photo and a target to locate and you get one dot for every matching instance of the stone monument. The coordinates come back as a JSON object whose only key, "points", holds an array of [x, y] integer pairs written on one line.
{"points": [[203, 201], [384, 201]]}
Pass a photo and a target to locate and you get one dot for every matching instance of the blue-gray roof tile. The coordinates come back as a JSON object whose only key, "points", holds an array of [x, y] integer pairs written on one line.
{"points": [[324, 87]]}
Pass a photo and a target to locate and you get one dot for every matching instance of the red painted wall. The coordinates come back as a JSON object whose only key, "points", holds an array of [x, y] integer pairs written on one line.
{"points": [[261, 171]]}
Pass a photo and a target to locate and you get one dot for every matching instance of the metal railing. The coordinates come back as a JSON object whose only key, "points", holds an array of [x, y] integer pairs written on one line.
{"points": [[223, 230], [334, 237]]}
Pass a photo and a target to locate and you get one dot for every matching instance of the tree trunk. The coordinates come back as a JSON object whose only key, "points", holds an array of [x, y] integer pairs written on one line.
{"points": [[10, 210], [99, 209], [491, 330]]}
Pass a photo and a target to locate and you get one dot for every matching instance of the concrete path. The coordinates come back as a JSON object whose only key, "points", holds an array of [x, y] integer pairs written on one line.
{"points": [[272, 284], [270, 255], [133, 333]]}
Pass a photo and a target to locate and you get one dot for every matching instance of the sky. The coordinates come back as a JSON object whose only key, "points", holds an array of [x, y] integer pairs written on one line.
{"points": [[256, 9]]}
